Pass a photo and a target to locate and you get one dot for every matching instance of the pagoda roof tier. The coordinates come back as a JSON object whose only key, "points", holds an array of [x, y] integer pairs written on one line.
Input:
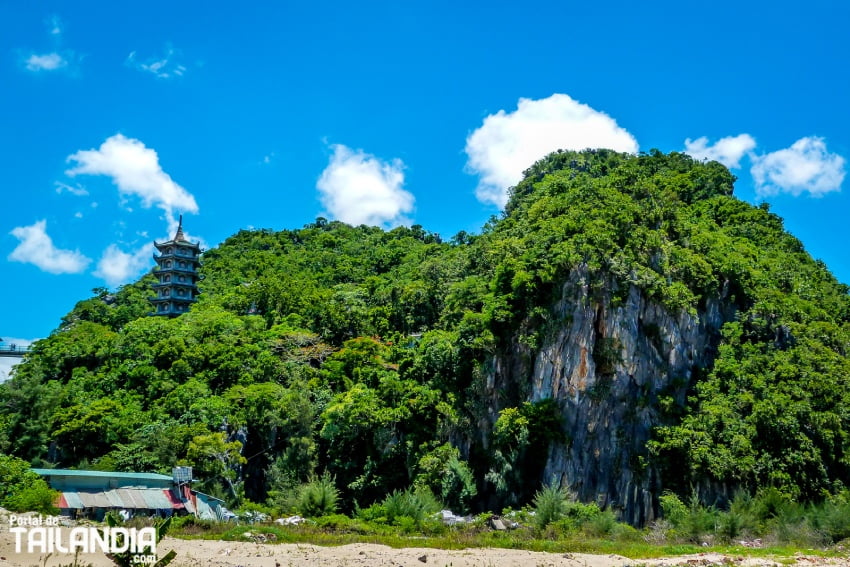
{"points": [[190, 253], [177, 243], [193, 259], [172, 299], [178, 240], [175, 284], [171, 310], [186, 270]]}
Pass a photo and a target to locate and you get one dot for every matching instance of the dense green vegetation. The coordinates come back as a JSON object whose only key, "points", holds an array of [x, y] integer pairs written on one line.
{"points": [[769, 524], [354, 360], [21, 490]]}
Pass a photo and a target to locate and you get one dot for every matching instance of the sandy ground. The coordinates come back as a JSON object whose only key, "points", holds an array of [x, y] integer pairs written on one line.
{"points": [[195, 553]]}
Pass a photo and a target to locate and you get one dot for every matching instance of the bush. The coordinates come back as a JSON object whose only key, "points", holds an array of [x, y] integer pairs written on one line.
{"points": [[832, 521], [190, 524], [376, 513], [770, 503], [447, 475], [625, 532], [457, 488], [602, 524], [699, 521], [35, 498], [730, 525], [22, 490], [550, 505], [672, 509], [414, 504], [318, 497], [739, 519], [692, 521], [340, 523]]}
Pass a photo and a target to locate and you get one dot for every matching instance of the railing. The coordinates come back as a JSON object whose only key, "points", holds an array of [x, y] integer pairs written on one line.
{"points": [[14, 350]]}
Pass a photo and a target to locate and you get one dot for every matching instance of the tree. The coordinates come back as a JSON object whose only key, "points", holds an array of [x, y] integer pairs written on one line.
{"points": [[218, 459]]}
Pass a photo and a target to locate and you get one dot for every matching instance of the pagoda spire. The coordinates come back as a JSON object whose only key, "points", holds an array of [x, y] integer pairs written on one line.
{"points": [[179, 236]]}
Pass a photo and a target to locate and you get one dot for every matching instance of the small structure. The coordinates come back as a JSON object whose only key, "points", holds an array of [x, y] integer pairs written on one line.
{"points": [[177, 271], [91, 494]]}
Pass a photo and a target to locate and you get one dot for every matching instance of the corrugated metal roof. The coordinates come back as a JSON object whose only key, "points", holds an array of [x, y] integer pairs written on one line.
{"points": [[128, 498], [101, 474], [207, 507]]}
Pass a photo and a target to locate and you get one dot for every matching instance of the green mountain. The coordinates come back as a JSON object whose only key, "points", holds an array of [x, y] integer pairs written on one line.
{"points": [[626, 327]]}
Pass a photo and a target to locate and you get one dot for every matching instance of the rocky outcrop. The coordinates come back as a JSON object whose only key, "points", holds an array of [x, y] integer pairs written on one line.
{"points": [[606, 361]]}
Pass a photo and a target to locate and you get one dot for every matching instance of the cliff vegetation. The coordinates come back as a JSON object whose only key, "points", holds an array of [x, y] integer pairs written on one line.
{"points": [[626, 329]]}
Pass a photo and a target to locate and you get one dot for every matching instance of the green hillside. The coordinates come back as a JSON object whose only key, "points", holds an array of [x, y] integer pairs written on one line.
{"points": [[374, 355]]}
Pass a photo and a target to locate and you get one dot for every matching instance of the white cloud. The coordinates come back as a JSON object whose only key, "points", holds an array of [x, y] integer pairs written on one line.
{"points": [[79, 190], [54, 25], [37, 248], [46, 62], [806, 166], [358, 188], [507, 144], [728, 150], [135, 169], [163, 68], [118, 267]]}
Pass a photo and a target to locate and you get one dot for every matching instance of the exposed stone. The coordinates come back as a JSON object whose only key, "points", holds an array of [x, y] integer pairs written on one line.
{"points": [[610, 408]]}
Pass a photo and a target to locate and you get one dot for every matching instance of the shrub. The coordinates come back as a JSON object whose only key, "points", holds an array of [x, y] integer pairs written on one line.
{"points": [[730, 525], [673, 509], [625, 532], [446, 474], [771, 503], [376, 513], [550, 505], [35, 498], [692, 520], [318, 497], [699, 520], [22, 490], [458, 485], [410, 503], [602, 524], [832, 520], [190, 524], [340, 523], [739, 519]]}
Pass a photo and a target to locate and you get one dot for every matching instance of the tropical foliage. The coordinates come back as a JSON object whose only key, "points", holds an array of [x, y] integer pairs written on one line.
{"points": [[362, 355]]}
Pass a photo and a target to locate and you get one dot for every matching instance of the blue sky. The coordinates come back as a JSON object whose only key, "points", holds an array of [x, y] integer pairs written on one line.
{"points": [[116, 117]]}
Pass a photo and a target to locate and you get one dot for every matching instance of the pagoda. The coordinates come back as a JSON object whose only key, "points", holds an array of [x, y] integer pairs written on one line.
{"points": [[177, 271]]}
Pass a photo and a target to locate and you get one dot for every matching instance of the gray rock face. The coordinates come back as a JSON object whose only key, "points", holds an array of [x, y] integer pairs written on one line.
{"points": [[606, 362]]}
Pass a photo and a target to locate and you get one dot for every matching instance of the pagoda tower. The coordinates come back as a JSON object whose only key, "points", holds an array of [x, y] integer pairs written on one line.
{"points": [[177, 271]]}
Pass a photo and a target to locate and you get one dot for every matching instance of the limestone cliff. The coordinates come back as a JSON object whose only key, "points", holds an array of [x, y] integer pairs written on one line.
{"points": [[606, 360]]}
